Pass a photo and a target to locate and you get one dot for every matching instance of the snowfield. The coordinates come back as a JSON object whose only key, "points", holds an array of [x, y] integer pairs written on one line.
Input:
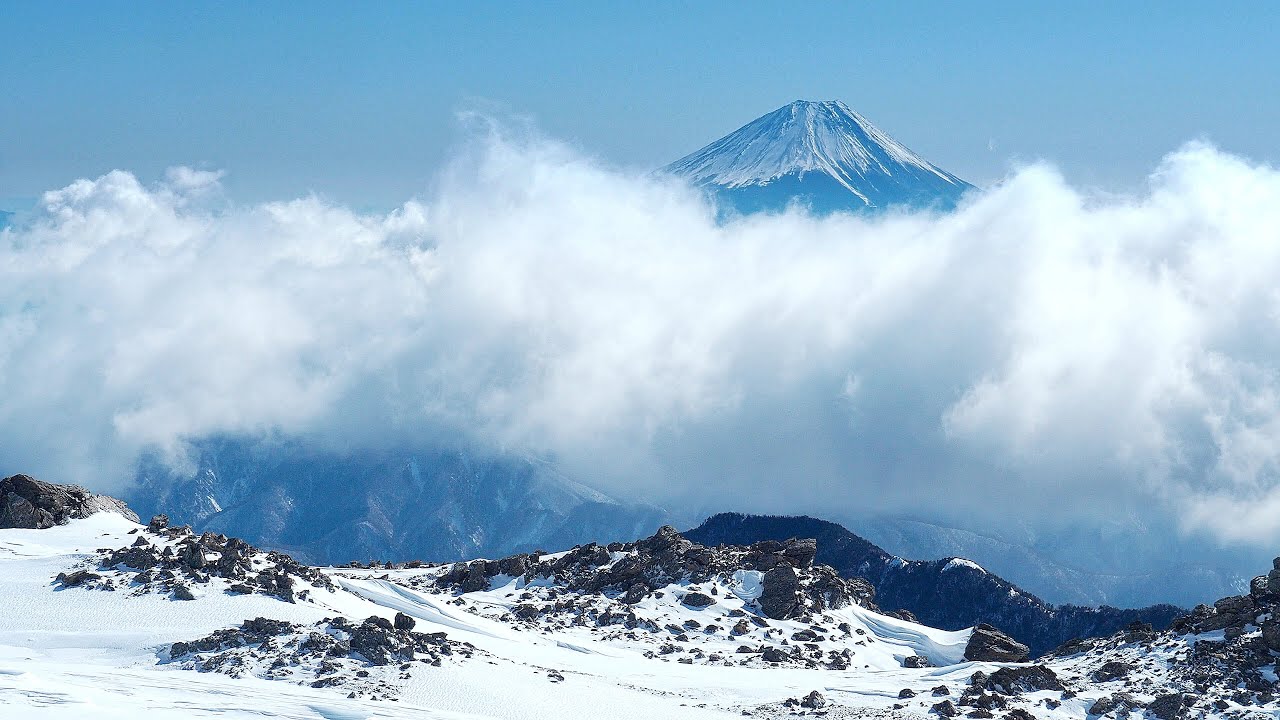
{"points": [[85, 652]]}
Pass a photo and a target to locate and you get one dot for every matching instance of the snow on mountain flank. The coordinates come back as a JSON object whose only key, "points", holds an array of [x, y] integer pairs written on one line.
{"points": [[807, 150], [107, 618]]}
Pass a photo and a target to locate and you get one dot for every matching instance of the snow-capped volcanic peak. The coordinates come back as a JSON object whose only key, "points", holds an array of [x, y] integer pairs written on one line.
{"points": [[827, 138]]}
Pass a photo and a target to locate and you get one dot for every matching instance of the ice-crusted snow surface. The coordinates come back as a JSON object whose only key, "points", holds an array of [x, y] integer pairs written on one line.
{"points": [[523, 646], [801, 146]]}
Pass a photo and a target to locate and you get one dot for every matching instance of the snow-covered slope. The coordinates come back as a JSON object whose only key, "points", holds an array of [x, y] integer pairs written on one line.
{"points": [[659, 628], [823, 154]]}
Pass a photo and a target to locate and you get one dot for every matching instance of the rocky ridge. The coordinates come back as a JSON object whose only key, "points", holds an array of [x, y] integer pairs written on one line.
{"points": [[368, 659], [26, 502], [177, 562], [1219, 658], [951, 593], [792, 586]]}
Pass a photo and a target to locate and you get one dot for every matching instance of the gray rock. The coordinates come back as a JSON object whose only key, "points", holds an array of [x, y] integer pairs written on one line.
{"points": [[34, 504], [1173, 706], [1113, 670], [915, 661], [698, 600], [1017, 680], [813, 701], [403, 622], [800, 553], [946, 708], [987, 644], [779, 598]]}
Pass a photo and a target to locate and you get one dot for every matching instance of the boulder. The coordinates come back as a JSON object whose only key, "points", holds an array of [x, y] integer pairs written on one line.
{"points": [[814, 701], [1017, 680], [698, 600], [946, 708], [1173, 706], [403, 622], [987, 644], [1113, 670], [800, 553], [779, 596], [34, 504]]}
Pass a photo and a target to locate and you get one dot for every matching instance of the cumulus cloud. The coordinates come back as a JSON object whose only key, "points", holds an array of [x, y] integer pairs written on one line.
{"points": [[1061, 353]]}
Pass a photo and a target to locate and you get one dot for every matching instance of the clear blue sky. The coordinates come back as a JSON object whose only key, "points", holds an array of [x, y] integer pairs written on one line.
{"points": [[357, 101]]}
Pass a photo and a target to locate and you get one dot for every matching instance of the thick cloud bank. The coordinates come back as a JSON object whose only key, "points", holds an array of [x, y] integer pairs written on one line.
{"points": [[1040, 351]]}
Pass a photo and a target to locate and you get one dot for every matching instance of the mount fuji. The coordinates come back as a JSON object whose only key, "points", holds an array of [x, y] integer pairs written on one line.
{"points": [[822, 155]]}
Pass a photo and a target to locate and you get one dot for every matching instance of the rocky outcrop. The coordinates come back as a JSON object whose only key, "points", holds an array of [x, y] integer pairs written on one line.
{"points": [[987, 644], [1221, 654], [26, 502], [174, 560], [792, 586], [366, 657], [948, 594]]}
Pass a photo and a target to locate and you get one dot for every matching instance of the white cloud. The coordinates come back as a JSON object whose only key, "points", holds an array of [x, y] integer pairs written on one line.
{"points": [[1040, 349]]}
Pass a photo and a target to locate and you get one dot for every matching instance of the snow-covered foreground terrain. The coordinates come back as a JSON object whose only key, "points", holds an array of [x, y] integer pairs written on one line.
{"points": [[515, 646]]}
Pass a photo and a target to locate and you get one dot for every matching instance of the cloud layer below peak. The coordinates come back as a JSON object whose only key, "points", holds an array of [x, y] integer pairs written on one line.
{"points": [[1040, 350]]}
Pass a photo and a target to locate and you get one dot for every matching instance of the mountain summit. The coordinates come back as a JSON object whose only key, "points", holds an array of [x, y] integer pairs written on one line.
{"points": [[822, 154]]}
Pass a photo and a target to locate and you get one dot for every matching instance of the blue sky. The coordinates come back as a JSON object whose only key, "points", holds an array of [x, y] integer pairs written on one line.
{"points": [[358, 101]]}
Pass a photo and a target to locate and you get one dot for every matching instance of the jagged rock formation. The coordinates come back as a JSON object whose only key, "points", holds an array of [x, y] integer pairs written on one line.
{"points": [[174, 561], [1217, 657], [987, 644], [951, 593], [365, 658], [792, 586], [26, 502]]}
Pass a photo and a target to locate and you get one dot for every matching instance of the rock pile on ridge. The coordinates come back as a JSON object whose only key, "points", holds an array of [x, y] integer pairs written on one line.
{"points": [[1220, 657], [175, 560], [26, 502], [366, 658], [792, 586]]}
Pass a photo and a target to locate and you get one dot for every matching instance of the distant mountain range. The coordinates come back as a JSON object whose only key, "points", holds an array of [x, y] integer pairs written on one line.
{"points": [[822, 155], [436, 503], [951, 593]]}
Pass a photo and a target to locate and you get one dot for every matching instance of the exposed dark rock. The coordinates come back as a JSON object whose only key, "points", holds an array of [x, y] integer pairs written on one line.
{"points": [[814, 701], [774, 655], [946, 708], [987, 644], [1112, 702], [77, 578], [792, 585], [1173, 706], [34, 504], [915, 661], [941, 594], [347, 662], [1017, 680], [198, 558], [697, 599], [404, 622], [1113, 670], [780, 598]]}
